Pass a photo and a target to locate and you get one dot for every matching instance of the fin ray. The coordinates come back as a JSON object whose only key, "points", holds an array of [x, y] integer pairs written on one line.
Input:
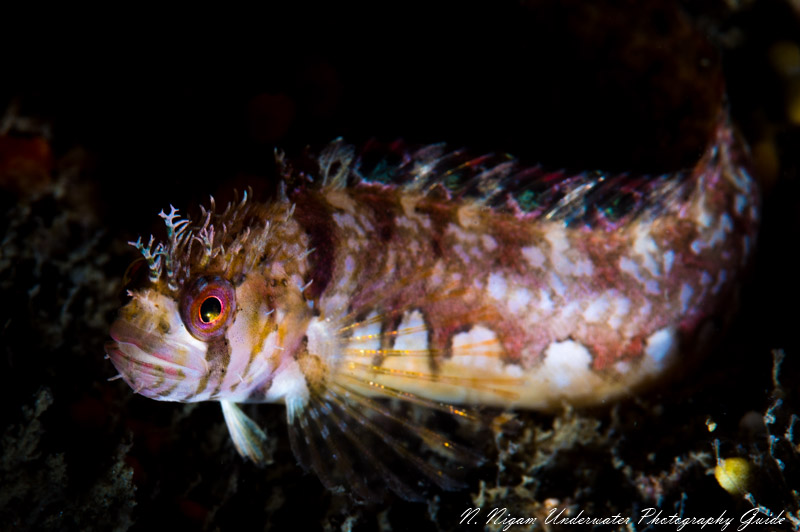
{"points": [[394, 393], [434, 440], [438, 476], [484, 384], [373, 445], [392, 480], [248, 438]]}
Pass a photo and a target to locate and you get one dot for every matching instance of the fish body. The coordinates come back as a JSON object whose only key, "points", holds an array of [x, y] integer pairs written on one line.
{"points": [[441, 280]]}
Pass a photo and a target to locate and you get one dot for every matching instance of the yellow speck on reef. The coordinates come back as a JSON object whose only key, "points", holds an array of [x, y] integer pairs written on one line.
{"points": [[733, 474]]}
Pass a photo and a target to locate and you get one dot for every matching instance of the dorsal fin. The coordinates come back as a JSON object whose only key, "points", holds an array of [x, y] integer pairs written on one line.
{"points": [[495, 180]]}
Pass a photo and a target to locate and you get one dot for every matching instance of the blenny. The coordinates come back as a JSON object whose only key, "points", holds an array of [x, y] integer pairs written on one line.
{"points": [[432, 278]]}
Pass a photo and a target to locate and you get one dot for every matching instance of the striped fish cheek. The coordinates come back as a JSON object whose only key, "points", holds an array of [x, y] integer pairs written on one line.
{"points": [[249, 362], [154, 352], [245, 362]]}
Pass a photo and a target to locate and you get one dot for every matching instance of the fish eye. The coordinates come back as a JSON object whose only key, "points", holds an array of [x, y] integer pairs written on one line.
{"points": [[207, 306]]}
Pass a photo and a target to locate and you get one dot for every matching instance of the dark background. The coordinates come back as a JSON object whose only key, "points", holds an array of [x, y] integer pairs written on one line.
{"points": [[146, 110]]}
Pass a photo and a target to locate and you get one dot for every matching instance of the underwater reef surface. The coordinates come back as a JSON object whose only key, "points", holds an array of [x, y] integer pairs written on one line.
{"points": [[91, 150]]}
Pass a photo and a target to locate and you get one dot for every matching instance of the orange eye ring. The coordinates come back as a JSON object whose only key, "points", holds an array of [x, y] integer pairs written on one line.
{"points": [[207, 307]]}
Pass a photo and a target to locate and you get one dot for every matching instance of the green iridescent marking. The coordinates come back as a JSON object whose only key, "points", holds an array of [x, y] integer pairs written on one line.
{"points": [[382, 173], [526, 200], [453, 181]]}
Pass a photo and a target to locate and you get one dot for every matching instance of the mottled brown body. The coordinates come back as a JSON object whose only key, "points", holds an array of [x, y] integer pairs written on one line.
{"points": [[531, 283], [443, 281]]}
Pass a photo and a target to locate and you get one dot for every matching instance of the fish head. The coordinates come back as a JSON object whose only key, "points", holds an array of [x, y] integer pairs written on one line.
{"points": [[203, 325], [210, 340]]}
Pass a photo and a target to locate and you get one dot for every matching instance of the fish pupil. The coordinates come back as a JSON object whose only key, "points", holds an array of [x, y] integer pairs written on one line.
{"points": [[210, 310]]}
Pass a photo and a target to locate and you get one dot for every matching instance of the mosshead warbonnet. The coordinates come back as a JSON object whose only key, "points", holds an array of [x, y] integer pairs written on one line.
{"points": [[443, 280]]}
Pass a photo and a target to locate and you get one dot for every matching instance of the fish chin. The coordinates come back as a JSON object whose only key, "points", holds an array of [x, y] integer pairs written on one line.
{"points": [[154, 352]]}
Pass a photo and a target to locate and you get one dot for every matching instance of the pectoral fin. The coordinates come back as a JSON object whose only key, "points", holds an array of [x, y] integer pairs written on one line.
{"points": [[369, 445], [249, 439]]}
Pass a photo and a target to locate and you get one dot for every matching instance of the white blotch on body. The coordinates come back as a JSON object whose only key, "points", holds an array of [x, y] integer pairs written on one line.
{"points": [[557, 284], [534, 256], [478, 347], [459, 251], [346, 221], [724, 227], [652, 287], [726, 223], [518, 299], [631, 268], [409, 353], [645, 247], [685, 297], [584, 267], [462, 236], [669, 258], [366, 337], [704, 217], [596, 309], [409, 204], [364, 221], [622, 367], [741, 178], [496, 286], [545, 303], [514, 370], [347, 275], [405, 223], [436, 278], [569, 309], [659, 349], [489, 243], [566, 363], [556, 235], [341, 200], [622, 306], [740, 202], [412, 334]]}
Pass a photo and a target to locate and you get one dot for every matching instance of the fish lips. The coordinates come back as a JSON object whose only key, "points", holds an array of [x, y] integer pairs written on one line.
{"points": [[152, 363]]}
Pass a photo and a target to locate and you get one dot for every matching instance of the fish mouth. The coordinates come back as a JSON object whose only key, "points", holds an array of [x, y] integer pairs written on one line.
{"points": [[153, 364], [155, 347], [119, 359]]}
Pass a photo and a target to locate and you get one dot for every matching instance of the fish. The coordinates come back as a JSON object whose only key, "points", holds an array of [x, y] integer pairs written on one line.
{"points": [[388, 295]]}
